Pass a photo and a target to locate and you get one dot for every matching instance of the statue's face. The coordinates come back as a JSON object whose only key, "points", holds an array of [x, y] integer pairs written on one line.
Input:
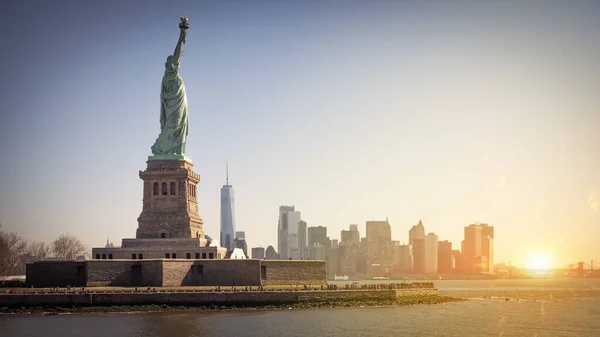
{"points": [[169, 64]]}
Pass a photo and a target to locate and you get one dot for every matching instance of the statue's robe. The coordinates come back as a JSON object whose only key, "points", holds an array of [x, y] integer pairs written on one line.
{"points": [[173, 113]]}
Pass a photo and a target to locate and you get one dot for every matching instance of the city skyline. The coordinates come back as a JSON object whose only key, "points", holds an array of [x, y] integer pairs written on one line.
{"points": [[454, 114]]}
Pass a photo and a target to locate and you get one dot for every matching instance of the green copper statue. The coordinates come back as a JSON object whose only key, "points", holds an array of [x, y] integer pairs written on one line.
{"points": [[173, 109]]}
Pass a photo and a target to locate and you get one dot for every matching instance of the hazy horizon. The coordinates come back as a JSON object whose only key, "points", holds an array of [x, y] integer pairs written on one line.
{"points": [[350, 111]]}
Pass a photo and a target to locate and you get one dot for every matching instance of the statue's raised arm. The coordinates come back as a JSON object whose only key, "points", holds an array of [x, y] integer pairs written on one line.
{"points": [[183, 27], [177, 52]]}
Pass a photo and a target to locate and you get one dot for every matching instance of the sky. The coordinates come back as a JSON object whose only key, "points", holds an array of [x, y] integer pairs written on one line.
{"points": [[452, 113]]}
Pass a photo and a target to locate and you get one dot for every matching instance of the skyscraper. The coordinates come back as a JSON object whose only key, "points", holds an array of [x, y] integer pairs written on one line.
{"points": [[318, 243], [431, 253], [258, 253], [282, 229], [487, 230], [241, 244], [351, 236], [318, 235], [379, 238], [487, 249], [478, 249], [302, 240], [445, 257], [471, 248], [404, 258], [458, 261], [271, 254], [227, 213], [287, 232], [416, 232], [418, 255]]}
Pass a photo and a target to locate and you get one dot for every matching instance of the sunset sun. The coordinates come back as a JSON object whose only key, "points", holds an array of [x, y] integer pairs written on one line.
{"points": [[539, 261]]}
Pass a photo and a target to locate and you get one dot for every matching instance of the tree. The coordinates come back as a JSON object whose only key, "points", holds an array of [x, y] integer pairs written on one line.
{"points": [[68, 247], [37, 251], [12, 247], [33, 252]]}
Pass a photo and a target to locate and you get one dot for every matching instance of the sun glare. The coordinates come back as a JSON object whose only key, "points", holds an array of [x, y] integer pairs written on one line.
{"points": [[539, 261]]}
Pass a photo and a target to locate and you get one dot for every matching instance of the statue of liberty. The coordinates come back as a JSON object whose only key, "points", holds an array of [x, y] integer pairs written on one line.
{"points": [[173, 108]]}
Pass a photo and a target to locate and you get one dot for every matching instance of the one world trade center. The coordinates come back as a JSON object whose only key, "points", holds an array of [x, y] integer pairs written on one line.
{"points": [[227, 214]]}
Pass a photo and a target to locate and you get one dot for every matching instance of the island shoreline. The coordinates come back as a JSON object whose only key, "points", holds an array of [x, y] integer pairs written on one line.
{"points": [[82, 310]]}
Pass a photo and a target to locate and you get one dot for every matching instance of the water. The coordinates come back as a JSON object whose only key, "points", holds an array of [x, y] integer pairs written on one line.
{"points": [[544, 308]]}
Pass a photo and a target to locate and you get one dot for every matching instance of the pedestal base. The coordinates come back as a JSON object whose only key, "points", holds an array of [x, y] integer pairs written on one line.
{"points": [[170, 157], [170, 207], [160, 249]]}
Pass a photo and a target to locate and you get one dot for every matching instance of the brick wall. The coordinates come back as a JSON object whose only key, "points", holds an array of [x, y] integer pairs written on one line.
{"points": [[124, 273], [175, 272], [55, 274], [293, 272], [221, 273]]}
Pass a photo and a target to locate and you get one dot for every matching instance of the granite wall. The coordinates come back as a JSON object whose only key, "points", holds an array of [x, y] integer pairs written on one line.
{"points": [[211, 273], [55, 273], [175, 272], [293, 272], [123, 273]]}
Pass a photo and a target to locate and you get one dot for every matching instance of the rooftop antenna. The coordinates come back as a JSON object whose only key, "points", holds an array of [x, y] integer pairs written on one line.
{"points": [[227, 173]]}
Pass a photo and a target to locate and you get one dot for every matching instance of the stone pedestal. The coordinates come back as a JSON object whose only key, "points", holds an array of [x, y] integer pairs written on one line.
{"points": [[170, 206]]}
